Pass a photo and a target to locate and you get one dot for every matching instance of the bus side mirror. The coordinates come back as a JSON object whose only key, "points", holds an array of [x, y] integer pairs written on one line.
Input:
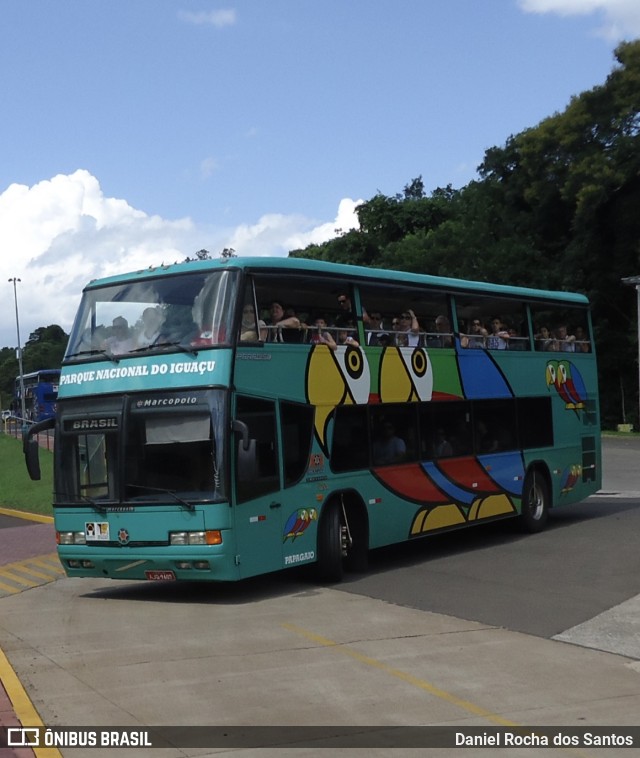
{"points": [[240, 428], [32, 458], [31, 448]]}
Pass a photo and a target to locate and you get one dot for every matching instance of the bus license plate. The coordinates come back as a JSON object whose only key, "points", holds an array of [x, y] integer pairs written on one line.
{"points": [[160, 576]]}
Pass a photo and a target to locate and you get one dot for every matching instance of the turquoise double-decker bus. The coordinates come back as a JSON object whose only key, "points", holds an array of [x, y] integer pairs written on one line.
{"points": [[217, 420]]}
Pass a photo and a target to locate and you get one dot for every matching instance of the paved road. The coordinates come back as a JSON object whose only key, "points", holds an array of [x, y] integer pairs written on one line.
{"points": [[483, 628]]}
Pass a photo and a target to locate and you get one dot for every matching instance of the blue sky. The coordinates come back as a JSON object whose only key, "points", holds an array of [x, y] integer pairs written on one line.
{"points": [[138, 132]]}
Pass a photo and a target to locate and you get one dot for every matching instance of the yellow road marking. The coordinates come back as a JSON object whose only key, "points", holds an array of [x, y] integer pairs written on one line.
{"points": [[8, 588], [15, 572], [28, 516], [398, 674], [448, 697], [51, 563], [16, 578], [26, 569], [23, 707]]}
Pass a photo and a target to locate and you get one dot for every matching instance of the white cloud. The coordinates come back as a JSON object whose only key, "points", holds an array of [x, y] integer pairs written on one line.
{"points": [[344, 221], [622, 17], [208, 167], [219, 18], [60, 233], [277, 234]]}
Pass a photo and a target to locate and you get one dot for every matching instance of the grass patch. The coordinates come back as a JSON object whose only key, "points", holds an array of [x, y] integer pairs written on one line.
{"points": [[18, 491]]}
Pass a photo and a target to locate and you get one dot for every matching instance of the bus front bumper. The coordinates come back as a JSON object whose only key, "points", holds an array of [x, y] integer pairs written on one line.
{"points": [[155, 564]]}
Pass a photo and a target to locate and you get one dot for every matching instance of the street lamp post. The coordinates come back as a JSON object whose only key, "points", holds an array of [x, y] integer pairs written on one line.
{"points": [[634, 281], [15, 280]]}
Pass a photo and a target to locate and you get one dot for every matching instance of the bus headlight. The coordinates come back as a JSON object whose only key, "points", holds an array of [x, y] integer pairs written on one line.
{"points": [[209, 537], [71, 538]]}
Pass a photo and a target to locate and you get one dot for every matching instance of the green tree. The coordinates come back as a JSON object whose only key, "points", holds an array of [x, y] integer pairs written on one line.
{"points": [[556, 207]]}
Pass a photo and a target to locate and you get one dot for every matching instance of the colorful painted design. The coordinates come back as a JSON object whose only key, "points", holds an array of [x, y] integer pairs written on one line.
{"points": [[453, 492], [298, 522], [335, 377], [450, 492], [405, 375], [569, 478], [567, 381]]}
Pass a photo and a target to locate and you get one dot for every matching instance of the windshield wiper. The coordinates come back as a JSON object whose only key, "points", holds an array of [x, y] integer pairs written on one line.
{"points": [[189, 506], [161, 345], [106, 353], [94, 504], [185, 348]]}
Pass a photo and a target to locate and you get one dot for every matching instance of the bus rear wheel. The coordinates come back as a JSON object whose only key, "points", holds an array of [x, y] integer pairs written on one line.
{"points": [[535, 502]]}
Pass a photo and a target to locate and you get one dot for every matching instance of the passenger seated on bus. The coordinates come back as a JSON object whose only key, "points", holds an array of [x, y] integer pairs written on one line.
{"points": [[346, 311], [543, 339], [475, 335], [91, 340], [442, 448], [375, 329], [209, 334], [516, 342], [443, 336], [345, 335], [582, 343], [318, 334], [120, 340], [566, 342], [387, 447], [408, 332], [485, 440], [250, 330], [498, 338], [282, 328], [149, 334]]}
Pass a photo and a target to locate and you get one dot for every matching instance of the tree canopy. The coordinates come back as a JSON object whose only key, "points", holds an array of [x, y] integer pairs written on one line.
{"points": [[556, 207], [44, 349]]}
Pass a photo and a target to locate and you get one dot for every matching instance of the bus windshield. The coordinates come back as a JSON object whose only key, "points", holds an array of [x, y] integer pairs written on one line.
{"points": [[191, 312], [163, 447]]}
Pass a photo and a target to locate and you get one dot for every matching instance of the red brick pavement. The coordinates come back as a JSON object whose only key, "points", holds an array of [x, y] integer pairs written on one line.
{"points": [[8, 718], [27, 539]]}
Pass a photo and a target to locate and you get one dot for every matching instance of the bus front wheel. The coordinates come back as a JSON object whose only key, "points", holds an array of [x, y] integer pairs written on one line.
{"points": [[535, 502], [329, 567]]}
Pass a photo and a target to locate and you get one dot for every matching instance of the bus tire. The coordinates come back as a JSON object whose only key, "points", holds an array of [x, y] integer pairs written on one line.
{"points": [[535, 502], [329, 567]]}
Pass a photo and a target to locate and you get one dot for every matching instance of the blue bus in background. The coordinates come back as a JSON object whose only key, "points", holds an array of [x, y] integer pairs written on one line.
{"points": [[40, 394]]}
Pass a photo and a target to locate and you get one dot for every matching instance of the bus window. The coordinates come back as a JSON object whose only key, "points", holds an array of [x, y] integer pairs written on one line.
{"points": [[170, 451], [445, 430], [349, 449], [394, 433], [296, 420], [396, 305], [494, 426], [535, 422], [505, 322], [92, 466], [195, 309], [561, 329], [257, 467], [304, 298]]}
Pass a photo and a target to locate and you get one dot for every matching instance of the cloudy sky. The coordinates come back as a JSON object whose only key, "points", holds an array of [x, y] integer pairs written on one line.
{"points": [[139, 132]]}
